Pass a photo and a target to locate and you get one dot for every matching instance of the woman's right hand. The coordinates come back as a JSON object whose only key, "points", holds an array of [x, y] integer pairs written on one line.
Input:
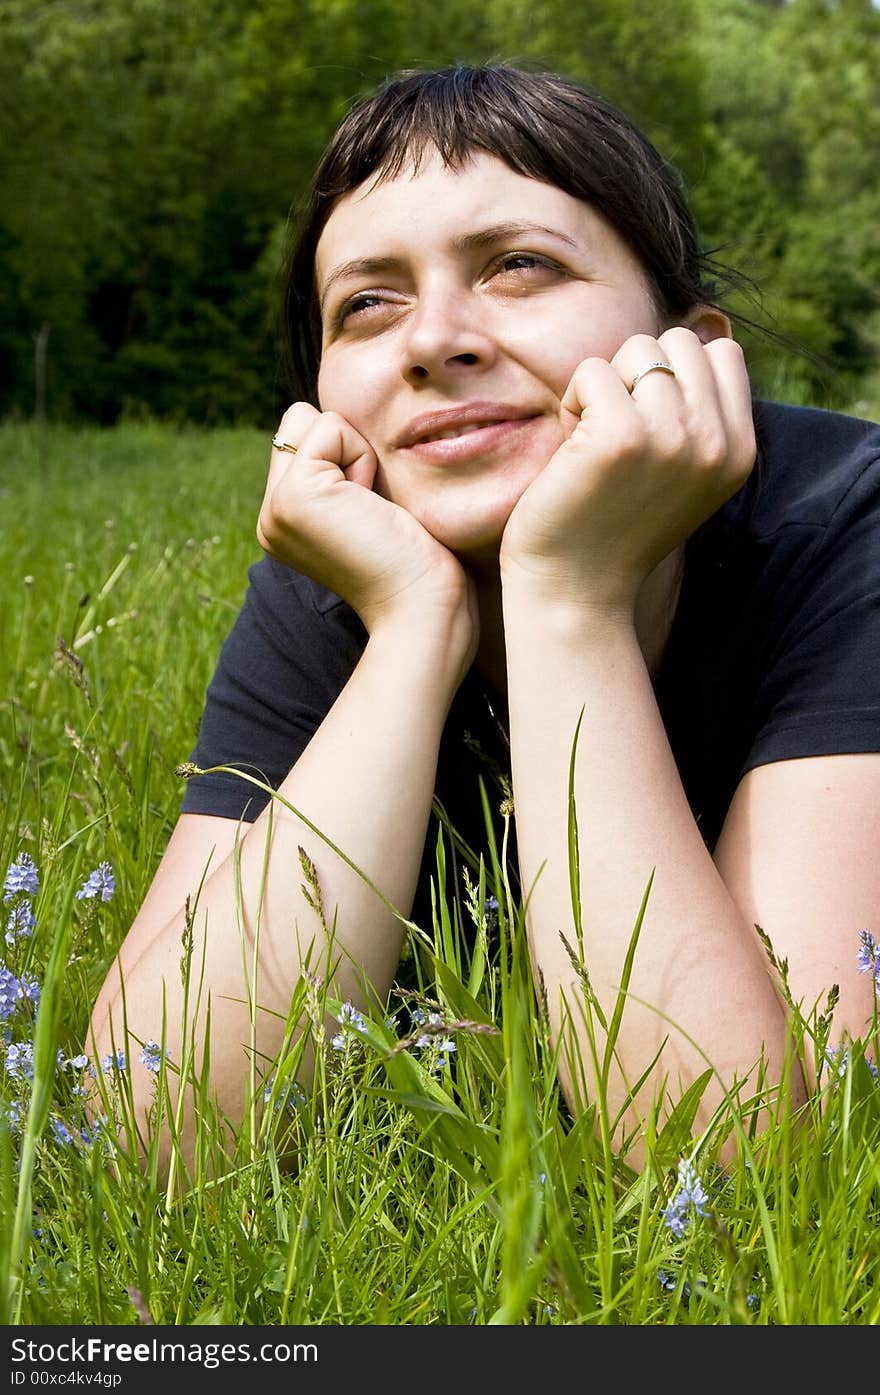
{"points": [[321, 516]]}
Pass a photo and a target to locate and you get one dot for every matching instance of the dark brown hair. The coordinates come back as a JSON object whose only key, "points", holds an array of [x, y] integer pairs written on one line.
{"points": [[542, 125]]}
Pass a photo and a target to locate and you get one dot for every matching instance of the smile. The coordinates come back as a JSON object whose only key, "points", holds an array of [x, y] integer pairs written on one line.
{"points": [[455, 431], [464, 419]]}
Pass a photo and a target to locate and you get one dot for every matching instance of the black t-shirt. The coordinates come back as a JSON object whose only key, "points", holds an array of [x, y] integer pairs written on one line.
{"points": [[774, 651]]}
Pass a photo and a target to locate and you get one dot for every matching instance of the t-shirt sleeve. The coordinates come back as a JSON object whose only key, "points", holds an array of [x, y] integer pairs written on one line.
{"points": [[289, 654], [819, 693]]}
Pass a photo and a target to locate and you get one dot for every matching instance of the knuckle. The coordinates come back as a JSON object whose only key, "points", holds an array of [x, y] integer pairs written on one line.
{"points": [[678, 334], [297, 418], [714, 448], [631, 438], [674, 441], [641, 344], [729, 349]]}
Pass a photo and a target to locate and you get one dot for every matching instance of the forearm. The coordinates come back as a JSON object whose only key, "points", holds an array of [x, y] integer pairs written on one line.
{"points": [[699, 969], [366, 782]]}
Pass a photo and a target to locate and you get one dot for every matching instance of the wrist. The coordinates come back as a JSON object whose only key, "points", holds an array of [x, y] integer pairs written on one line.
{"points": [[439, 640], [562, 606]]}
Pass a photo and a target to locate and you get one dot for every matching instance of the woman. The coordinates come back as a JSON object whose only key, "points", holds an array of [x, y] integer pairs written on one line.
{"points": [[519, 491]]}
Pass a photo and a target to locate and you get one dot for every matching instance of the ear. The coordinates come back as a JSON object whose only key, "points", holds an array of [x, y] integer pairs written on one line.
{"points": [[708, 323]]}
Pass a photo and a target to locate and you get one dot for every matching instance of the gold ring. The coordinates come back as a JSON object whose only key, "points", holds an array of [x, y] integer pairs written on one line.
{"points": [[284, 445], [658, 366]]}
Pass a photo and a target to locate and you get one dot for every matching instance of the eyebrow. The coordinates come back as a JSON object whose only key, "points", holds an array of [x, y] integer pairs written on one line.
{"points": [[468, 242]]}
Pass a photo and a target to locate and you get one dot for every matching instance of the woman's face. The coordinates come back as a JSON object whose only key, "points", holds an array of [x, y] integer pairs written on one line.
{"points": [[456, 305]]}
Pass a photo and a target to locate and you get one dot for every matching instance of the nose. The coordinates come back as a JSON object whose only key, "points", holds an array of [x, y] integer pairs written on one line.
{"points": [[446, 336]]}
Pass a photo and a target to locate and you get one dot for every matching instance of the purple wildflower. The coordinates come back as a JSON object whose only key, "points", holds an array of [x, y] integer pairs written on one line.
{"points": [[689, 1199], [29, 988], [869, 956], [151, 1056], [87, 1135], [670, 1282], [77, 1062], [838, 1059], [22, 876], [99, 883], [351, 1021], [111, 1062], [350, 1017], [21, 922], [10, 992], [60, 1130], [20, 1060], [292, 1095], [433, 1020]]}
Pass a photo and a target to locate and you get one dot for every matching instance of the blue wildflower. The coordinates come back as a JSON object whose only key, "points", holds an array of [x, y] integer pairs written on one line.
{"points": [[20, 923], [88, 1136], [433, 1020], [99, 883], [351, 1022], [10, 992], [350, 1017], [77, 1062], [151, 1056], [669, 1282], [22, 876], [20, 1060], [291, 1095], [838, 1059], [60, 1130], [869, 956], [689, 1199], [113, 1062], [29, 988], [15, 1115]]}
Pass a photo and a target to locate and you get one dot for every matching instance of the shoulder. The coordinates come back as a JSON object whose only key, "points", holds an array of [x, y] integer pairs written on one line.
{"points": [[810, 460], [292, 606]]}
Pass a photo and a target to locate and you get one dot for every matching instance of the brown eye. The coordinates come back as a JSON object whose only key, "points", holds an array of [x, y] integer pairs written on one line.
{"points": [[525, 262], [356, 305]]}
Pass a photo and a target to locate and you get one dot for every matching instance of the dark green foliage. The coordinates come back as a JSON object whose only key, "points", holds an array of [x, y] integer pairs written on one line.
{"points": [[151, 154]]}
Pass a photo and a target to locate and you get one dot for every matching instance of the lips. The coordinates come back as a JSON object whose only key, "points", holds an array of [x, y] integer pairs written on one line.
{"points": [[457, 422]]}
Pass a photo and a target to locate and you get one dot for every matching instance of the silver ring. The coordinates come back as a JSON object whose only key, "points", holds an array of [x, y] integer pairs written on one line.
{"points": [[284, 445], [658, 366]]}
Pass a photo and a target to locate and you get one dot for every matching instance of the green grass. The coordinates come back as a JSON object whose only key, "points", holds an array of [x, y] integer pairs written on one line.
{"points": [[398, 1193]]}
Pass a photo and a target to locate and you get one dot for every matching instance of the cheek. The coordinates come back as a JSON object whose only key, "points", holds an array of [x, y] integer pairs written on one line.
{"points": [[553, 347], [357, 391]]}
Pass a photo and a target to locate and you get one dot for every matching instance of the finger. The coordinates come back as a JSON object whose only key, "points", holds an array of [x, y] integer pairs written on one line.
{"points": [[321, 436], [333, 440], [715, 387], [679, 402], [593, 384], [292, 428], [646, 368], [734, 391]]}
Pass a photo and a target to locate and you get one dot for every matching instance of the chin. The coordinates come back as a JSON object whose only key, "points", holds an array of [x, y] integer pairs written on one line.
{"points": [[473, 530], [471, 520]]}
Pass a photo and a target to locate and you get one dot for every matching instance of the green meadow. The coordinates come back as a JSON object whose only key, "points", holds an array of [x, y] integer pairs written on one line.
{"points": [[430, 1177]]}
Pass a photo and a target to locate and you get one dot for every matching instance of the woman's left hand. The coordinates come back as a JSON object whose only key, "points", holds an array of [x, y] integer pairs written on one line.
{"points": [[640, 470]]}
